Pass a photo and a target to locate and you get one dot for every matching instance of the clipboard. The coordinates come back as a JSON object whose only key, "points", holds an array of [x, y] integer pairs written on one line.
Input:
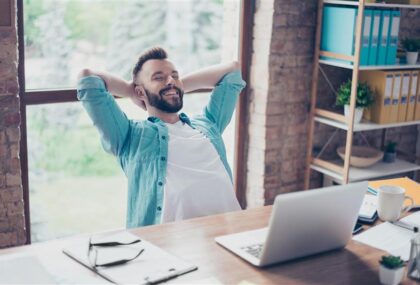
{"points": [[153, 266]]}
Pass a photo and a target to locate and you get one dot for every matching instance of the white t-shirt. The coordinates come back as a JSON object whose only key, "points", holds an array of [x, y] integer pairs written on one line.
{"points": [[197, 183]]}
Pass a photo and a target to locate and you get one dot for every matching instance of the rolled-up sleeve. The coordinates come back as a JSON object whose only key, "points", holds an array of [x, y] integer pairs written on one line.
{"points": [[223, 99], [108, 118]]}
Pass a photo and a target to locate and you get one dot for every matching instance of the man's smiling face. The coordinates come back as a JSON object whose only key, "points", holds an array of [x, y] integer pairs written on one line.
{"points": [[163, 87]]}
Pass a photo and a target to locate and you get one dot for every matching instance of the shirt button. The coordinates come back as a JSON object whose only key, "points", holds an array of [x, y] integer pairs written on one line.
{"points": [[160, 183], [164, 137], [159, 208], [163, 158]]}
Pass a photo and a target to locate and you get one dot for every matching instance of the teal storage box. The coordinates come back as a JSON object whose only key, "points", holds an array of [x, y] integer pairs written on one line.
{"points": [[338, 30]]}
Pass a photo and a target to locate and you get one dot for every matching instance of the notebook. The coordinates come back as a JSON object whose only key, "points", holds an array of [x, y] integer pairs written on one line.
{"points": [[153, 266], [368, 211]]}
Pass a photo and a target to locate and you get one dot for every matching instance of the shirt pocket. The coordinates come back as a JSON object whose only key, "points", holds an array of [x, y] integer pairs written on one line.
{"points": [[148, 147]]}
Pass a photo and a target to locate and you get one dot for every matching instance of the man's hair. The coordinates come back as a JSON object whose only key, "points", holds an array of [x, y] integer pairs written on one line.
{"points": [[151, 53]]}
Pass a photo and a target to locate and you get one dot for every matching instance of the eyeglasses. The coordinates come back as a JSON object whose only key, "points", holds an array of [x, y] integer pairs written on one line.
{"points": [[93, 253]]}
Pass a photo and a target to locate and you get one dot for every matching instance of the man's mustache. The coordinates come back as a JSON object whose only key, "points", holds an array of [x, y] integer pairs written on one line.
{"points": [[180, 91]]}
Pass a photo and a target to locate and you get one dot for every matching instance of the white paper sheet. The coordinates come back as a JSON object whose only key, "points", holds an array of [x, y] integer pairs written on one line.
{"points": [[391, 238], [23, 269]]}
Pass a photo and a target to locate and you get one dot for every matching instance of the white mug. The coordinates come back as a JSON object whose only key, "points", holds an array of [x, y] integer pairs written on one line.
{"points": [[390, 202]]}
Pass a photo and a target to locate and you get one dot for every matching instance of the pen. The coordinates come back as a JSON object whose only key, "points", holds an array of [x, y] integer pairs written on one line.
{"points": [[406, 226]]}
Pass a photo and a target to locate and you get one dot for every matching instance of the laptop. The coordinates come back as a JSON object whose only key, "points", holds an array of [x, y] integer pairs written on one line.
{"points": [[301, 224]]}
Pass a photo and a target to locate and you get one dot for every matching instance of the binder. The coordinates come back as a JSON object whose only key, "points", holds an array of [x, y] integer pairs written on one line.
{"points": [[402, 107], [381, 82], [364, 49], [374, 36], [338, 30], [417, 109], [391, 53], [396, 92], [412, 95], [383, 37]]}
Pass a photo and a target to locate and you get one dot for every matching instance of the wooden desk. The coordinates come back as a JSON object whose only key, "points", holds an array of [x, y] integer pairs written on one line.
{"points": [[193, 240]]}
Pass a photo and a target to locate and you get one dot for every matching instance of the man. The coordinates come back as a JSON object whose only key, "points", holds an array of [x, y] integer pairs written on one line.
{"points": [[176, 166]]}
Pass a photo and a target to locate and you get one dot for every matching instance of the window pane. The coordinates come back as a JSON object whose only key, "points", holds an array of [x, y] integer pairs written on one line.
{"points": [[75, 187], [63, 36]]}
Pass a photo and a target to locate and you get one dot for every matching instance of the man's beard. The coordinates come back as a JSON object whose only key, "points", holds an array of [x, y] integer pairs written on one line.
{"points": [[158, 100]]}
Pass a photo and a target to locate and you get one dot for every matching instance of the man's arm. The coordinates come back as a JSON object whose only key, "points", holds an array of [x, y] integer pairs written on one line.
{"points": [[112, 124], [116, 86], [208, 77]]}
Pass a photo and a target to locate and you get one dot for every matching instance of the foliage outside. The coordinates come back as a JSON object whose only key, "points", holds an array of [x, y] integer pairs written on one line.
{"points": [[411, 44], [392, 262], [364, 97]]}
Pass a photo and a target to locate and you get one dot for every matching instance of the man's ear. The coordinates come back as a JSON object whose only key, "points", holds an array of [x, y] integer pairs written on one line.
{"points": [[140, 90]]}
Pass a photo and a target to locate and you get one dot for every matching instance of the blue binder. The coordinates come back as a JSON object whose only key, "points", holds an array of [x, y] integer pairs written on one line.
{"points": [[374, 36], [383, 36], [338, 29], [391, 53], [364, 49]]}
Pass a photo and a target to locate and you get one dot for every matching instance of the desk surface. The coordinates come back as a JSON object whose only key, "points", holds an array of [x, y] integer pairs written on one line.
{"points": [[193, 240]]}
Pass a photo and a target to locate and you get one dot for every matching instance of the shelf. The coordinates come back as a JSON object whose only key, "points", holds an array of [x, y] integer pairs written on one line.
{"points": [[364, 125], [378, 170], [378, 5], [369, 67]]}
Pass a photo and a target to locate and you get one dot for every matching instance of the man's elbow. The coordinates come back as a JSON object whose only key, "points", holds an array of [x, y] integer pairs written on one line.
{"points": [[84, 72], [236, 65]]}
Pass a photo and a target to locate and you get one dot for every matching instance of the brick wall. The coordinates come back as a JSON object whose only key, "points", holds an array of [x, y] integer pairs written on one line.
{"points": [[280, 83], [12, 224], [258, 106]]}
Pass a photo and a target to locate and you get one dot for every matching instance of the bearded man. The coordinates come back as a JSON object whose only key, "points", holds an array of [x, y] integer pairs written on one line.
{"points": [[176, 166]]}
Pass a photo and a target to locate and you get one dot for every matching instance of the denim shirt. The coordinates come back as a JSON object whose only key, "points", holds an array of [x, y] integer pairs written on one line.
{"points": [[141, 147]]}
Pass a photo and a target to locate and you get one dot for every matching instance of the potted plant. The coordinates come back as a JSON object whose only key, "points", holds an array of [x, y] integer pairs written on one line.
{"points": [[364, 98], [411, 47], [390, 152], [391, 270]]}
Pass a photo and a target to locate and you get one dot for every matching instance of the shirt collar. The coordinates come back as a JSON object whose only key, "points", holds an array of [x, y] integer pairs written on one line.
{"points": [[183, 117]]}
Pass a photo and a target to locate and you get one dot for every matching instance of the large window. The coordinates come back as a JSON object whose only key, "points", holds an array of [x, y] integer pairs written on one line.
{"points": [[74, 185]]}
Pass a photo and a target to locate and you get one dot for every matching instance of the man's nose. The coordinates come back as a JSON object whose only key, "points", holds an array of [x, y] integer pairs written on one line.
{"points": [[170, 81]]}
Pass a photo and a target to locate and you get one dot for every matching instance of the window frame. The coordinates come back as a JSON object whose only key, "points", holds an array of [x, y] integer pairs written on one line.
{"points": [[49, 96]]}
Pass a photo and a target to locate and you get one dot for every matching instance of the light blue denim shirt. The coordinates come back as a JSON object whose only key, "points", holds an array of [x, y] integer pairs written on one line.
{"points": [[141, 147]]}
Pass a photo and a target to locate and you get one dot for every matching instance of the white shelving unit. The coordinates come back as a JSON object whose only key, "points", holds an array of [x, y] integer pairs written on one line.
{"points": [[339, 171], [379, 5], [369, 67], [378, 170], [364, 125]]}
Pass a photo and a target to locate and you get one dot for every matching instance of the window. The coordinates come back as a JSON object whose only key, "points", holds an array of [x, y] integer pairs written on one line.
{"points": [[74, 186]]}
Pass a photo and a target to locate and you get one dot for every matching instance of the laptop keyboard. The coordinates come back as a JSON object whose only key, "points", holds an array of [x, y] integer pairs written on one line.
{"points": [[254, 249]]}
